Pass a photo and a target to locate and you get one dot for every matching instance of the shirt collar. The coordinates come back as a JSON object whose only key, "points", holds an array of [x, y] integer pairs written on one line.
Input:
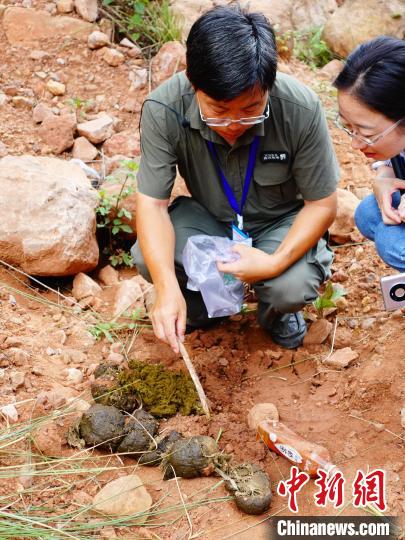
{"points": [[193, 116]]}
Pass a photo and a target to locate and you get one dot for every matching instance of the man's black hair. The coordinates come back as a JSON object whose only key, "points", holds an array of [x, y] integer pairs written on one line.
{"points": [[374, 73], [229, 51]]}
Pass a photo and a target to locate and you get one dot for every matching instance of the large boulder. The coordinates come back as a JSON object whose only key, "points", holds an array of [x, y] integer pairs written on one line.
{"points": [[48, 225], [372, 18], [293, 14], [187, 11], [24, 26], [286, 14], [343, 229], [170, 58]]}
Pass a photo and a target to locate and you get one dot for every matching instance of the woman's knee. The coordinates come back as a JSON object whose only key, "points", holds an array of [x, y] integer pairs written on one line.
{"points": [[368, 216], [390, 245]]}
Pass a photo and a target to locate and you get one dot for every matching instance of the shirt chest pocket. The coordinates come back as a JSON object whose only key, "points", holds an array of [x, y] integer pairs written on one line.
{"points": [[274, 187]]}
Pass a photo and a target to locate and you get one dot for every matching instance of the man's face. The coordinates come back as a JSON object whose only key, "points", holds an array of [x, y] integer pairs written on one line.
{"points": [[252, 102]]}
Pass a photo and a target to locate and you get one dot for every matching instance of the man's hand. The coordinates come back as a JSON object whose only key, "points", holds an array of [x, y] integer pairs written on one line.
{"points": [[168, 317], [252, 266], [383, 189]]}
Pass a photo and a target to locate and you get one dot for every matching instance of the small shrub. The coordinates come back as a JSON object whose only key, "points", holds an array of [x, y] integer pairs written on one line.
{"points": [[150, 23], [111, 216], [309, 47], [79, 105]]}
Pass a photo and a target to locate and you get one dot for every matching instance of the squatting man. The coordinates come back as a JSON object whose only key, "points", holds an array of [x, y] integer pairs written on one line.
{"points": [[253, 147]]}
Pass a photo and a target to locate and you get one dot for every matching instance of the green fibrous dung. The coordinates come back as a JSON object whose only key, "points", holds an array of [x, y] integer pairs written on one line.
{"points": [[161, 392]]}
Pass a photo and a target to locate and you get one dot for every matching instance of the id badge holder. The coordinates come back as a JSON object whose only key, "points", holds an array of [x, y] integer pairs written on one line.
{"points": [[238, 234]]}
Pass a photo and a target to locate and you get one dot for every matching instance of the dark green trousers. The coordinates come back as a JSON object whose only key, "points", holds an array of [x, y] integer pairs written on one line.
{"points": [[286, 293]]}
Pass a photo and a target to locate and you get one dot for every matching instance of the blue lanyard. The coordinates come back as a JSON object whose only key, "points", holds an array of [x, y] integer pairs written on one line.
{"points": [[237, 207]]}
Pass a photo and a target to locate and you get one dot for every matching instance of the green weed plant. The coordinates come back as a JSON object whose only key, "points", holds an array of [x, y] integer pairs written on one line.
{"points": [[112, 216], [328, 299]]}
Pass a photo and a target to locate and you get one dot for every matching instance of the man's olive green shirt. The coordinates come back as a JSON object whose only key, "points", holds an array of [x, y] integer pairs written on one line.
{"points": [[295, 159]]}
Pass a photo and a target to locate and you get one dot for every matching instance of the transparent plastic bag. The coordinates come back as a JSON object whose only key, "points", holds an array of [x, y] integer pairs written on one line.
{"points": [[222, 293]]}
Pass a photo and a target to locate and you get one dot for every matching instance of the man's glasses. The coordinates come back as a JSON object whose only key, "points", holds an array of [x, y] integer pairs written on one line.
{"points": [[366, 140], [225, 122]]}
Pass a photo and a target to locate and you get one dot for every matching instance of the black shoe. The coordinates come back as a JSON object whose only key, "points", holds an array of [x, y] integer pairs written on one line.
{"points": [[193, 324], [288, 330]]}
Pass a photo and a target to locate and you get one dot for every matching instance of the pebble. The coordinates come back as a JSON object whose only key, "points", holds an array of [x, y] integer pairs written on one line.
{"points": [[318, 332], [56, 88], [341, 358], [339, 276], [355, 267], [108, 532], [74, 375], [124, 496], [51, 399], [378, 349], [367, 323], [113, 57], [262, 411], [19, 356], [78, 404], [10, 412], [108, 276], [378, 427], [47, 440], [349, 451], [17, 379], [115, 358], [58, 337], [353, 323], [73, 355], [38, 55], [65, 6], [97, 39], [84, 286]]}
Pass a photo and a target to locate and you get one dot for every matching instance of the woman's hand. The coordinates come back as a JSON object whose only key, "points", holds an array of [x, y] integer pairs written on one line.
{"points": [[383, 189]]}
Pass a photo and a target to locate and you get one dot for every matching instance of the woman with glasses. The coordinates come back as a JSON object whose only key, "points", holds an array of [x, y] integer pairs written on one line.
{"points": [[254, 150], [371, 95]]}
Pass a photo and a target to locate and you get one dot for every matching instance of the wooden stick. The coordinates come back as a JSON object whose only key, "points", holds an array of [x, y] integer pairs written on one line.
{"points": [[196, 380]]}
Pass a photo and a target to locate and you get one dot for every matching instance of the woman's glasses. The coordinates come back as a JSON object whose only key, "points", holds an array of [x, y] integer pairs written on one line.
{"points": [[366, 140]]}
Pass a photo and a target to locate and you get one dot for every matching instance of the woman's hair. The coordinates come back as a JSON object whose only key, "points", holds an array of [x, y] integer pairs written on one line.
{"points": [[230, 51], [375, 74]]}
